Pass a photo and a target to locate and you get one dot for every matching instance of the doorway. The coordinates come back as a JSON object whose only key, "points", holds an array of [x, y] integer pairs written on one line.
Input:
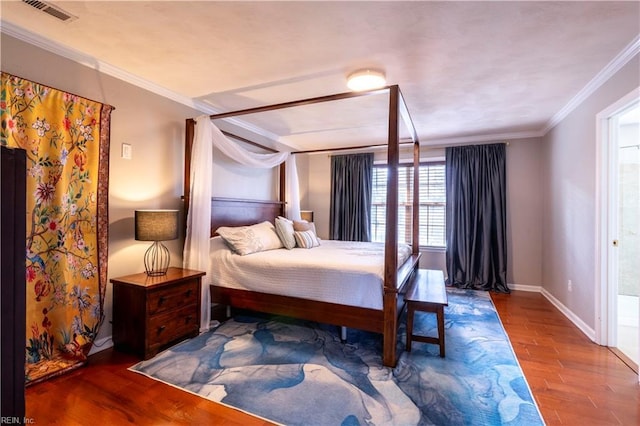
{"points": [[619, 234], [627, 317]]}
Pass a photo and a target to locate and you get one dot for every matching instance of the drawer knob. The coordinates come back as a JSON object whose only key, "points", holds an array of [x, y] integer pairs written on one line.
{"points": [[161, 329], [161, 300], [188, 293]]}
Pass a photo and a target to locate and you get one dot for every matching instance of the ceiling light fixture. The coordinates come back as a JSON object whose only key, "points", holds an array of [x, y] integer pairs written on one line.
{"points": [[366, 80]]}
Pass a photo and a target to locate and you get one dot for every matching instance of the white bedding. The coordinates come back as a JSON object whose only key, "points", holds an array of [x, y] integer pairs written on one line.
{"points": [[343, 272]]}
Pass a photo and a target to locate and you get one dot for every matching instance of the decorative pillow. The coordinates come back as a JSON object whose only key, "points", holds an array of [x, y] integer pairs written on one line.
{"points": [[284, 229], [303, 225], [306, 239], [251, 239]]}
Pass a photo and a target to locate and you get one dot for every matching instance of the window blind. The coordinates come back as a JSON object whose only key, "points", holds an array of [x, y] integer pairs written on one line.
{"points": [[432, 204]]}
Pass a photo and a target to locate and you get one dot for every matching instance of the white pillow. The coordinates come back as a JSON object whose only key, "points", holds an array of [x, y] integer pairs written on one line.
{"points": [[284, 229], [251, 239], [306, 239]]}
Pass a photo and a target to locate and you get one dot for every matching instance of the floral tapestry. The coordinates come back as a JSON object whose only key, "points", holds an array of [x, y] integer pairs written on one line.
{"points": [[66, 138]]}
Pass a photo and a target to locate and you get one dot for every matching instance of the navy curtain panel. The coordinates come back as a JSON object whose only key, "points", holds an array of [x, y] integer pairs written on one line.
{"points": [[476, 220], [351, 193]]}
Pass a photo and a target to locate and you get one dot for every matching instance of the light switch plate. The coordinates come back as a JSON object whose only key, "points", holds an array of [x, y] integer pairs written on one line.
{"points": [[126, 151]]}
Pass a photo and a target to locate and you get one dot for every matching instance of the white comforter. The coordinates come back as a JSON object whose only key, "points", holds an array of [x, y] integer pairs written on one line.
{"points": [[343, 272]]}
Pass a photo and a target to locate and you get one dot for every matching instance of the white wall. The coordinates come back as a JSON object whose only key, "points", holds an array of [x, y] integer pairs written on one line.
{"points": [[233, 180], [319, 191], [524, 212], [569, 172], [302, 164]]}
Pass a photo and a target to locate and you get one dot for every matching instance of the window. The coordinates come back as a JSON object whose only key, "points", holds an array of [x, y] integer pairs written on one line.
{"points": [[432, 204]]}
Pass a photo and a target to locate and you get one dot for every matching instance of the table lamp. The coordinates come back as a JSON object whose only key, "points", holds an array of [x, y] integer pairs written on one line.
{"points": [[156, 226]]}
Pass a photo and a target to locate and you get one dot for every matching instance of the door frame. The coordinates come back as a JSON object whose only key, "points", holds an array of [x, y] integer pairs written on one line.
{"points": [[606, 223]]}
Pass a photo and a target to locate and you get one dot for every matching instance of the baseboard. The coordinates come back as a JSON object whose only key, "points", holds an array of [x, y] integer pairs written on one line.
{"points": [[524, 287], [588, 331], [101, 345]]}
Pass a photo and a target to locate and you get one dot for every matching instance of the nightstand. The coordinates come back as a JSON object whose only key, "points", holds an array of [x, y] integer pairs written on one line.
{"points": [[151, 313]]}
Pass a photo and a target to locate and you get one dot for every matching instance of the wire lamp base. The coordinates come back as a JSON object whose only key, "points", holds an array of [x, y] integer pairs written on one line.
{"points": [[156, 259]]}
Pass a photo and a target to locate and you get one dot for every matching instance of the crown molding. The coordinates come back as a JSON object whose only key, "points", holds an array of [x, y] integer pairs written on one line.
{"points": [[113, 71], [631, 50], [103, 67]]}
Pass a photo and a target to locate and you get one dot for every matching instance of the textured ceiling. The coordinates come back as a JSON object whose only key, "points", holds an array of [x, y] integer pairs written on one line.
{"points": [[466, 69]]}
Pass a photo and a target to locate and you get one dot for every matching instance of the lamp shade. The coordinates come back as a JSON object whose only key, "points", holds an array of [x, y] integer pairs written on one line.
{"points": [[156, 225]]}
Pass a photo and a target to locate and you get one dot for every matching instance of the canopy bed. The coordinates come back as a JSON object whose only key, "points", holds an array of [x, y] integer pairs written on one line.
{"points": [[396, 273]]}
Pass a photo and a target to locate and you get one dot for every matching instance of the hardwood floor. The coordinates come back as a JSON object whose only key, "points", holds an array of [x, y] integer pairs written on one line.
{"points": [[106, 393], [574, 381]]}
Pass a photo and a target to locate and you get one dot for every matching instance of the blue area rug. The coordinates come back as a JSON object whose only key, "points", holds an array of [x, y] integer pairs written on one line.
{"points": [[300, 373]]}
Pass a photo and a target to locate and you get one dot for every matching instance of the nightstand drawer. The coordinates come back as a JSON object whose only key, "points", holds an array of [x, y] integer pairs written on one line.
{"points": [[171, 326], [166, 299]]}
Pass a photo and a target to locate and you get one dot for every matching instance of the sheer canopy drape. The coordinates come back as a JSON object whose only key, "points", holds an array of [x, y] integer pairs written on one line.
{"points": [[196, 243], [196, 246], [351, 194], [476, 219]]}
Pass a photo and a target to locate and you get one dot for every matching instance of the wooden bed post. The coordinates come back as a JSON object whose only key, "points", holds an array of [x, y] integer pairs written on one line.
{"points": [[390, 316], [415, 237], [283, 191], [188, 144]]}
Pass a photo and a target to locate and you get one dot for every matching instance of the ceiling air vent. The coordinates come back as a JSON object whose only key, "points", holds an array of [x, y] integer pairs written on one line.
{"points": [[51, 9]]}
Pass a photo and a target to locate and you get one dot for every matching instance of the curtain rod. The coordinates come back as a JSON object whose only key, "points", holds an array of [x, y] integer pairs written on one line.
{"points": [[441, 146]]}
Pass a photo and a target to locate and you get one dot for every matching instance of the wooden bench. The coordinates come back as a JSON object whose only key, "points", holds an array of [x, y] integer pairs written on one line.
{"points": [[426, 293]]}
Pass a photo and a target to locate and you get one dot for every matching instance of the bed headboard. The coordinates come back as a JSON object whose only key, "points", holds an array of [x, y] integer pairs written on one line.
{"points": [[239, 212]]}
